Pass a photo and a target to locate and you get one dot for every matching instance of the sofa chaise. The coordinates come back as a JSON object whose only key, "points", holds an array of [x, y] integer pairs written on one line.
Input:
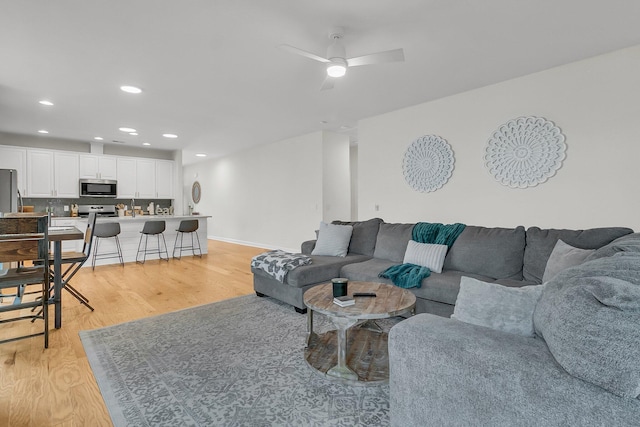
{"points": [[581, 366]]}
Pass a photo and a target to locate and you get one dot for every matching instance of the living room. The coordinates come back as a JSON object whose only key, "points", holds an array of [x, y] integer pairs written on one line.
{"points": [[273, 195]]}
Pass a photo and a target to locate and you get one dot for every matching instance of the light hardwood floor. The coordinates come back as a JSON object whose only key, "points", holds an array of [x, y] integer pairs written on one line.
{"points": [[56, 387]]}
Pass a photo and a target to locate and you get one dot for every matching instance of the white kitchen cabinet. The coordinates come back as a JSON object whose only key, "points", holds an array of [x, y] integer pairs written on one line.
{"points": [[40, 177], [94, 166], [164, 179], [145, 178], [66, 172], [127, 187], [52, 174], [15, 158]]}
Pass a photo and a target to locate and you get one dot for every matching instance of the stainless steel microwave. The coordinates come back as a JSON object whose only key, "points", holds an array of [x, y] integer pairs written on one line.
{"points": [[98, 188]]}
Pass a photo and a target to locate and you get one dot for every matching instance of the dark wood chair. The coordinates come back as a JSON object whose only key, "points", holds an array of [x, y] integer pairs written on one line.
{"points": [[24, 241], [76, 260]]}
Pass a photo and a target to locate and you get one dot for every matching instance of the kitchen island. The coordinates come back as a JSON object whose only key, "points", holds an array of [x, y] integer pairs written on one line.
{"points": [[130, 235]]}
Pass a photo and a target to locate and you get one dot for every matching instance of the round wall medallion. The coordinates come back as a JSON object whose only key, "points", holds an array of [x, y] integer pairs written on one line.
{"points": [[525, 152], [196, 192], [428, 163]]}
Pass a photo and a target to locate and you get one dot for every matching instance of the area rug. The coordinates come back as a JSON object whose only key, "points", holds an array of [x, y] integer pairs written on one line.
{"points": [[237, 362]]}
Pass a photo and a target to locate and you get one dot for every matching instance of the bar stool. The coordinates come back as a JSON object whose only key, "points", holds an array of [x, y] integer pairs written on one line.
{"points": [[152, 228], [105, 230], [187, 226]]}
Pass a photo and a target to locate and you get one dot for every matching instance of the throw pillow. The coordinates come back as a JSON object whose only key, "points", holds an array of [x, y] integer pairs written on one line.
{"points": [[426, 255], [562, 257], [333, 240], [496, 306]]}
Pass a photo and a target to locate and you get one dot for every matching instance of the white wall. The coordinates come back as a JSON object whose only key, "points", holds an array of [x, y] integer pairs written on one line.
{"points": [[336, 180], [595, 102], [269, 196]]}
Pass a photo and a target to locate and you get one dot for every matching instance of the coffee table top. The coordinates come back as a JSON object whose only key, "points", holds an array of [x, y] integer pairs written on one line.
{"points": [[390, 301]]}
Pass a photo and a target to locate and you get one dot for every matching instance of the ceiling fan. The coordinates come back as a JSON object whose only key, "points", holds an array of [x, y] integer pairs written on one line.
{"points": [[336, 58]]}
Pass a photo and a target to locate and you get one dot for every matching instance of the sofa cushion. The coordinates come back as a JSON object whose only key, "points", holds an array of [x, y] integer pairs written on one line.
{"points": [[363, 238], [367, 271], [425, 255], [562, 257], [589, 317], [392, 241], [490, 252], [321, 269], [333, 240], [540, 244], [497, 307], [627, 243]]}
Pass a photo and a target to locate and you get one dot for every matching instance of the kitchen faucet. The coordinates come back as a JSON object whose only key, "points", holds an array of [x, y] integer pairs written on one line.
{"points": [[133, 208]]}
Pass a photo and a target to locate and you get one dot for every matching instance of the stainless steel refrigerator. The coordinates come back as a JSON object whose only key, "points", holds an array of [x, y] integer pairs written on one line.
{"points": [[8, 190]]}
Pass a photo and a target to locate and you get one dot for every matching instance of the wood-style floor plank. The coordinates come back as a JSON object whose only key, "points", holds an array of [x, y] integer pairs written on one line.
{"points": [[56, 387]]}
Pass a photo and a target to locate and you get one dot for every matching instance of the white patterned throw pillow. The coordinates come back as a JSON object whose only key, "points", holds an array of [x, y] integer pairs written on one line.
{"points": [[426, 255], [333, 240]]}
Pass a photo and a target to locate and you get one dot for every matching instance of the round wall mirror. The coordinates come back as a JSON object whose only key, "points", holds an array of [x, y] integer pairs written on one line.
{"points": [[196, 192]]}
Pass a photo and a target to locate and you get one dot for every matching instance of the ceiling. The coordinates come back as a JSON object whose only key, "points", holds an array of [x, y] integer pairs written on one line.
{"points": [[212, 73]]}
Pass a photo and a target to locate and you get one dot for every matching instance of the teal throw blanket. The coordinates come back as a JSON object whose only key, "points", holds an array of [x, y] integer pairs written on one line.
{"points": [[411, 275]]}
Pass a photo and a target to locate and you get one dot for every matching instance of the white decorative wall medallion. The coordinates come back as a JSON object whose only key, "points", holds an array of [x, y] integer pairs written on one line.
{"points": [[525, 152], [428, 163]]}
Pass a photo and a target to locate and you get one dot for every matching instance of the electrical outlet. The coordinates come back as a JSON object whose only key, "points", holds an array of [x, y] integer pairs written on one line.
{"points": [[66, 208]]}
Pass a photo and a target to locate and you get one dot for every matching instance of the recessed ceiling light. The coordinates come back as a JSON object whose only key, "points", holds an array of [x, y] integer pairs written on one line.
{"points": [[145, 143], [47, 103], [127, 129], [133, 133], [169, 135], [130, 89], [201, 155], [98, 138], [43, 131]]}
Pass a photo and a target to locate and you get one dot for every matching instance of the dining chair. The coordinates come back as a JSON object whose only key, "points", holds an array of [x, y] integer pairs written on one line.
{"points": [[24, 247], [76, 260]]}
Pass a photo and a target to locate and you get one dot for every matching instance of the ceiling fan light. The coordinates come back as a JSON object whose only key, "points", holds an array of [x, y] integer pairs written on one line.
{"points": [[336, 70]]}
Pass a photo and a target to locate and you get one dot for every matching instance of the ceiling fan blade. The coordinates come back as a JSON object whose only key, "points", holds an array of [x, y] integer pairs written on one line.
{"points": [[327, 84], [301, 52], [395, 55]]}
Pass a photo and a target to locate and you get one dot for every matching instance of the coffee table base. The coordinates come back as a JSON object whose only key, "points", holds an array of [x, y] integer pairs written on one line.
{"points": [[367, 357]]}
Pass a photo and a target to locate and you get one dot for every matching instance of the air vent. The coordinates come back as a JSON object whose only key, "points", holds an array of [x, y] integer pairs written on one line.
{"points": [[119, 142]]}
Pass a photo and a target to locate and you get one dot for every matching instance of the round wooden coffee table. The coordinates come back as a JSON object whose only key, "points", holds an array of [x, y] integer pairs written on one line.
{"points": [[361, 354]]}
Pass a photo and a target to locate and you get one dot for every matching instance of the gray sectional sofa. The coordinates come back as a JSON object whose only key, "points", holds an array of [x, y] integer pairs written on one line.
{"points": [[581, 368], [508, 256]]}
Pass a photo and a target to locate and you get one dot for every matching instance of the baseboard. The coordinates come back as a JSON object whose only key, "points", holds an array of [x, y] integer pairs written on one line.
{"points": [[253, 244]]}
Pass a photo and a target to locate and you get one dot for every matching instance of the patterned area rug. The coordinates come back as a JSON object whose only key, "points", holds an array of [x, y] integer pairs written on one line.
{"points": [[238, 362]]}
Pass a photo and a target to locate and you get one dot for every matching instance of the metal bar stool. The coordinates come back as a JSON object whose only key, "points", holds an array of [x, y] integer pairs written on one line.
{"points": [[105, 230], [152, 228], [187, 226]]}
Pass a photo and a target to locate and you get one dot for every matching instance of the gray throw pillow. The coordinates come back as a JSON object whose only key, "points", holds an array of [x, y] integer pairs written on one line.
{"points": [[497, 307], [333, 240], [562, 257]]}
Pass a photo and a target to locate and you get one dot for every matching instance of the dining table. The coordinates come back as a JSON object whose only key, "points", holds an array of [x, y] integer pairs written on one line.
{"points": [[57, 235]]}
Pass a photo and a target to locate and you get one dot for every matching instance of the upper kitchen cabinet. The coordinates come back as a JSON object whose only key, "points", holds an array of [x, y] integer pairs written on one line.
{"points": [[15, 158], [144, 178], [52, 174], [164, 179], [94, 166]]}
